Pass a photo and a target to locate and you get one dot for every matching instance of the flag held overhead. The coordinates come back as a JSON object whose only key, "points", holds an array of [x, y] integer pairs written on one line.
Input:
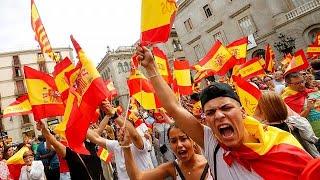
{"points": [[21, 106]]}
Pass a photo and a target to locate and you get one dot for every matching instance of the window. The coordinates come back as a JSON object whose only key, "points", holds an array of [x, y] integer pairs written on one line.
{"points": [[188, 24], [17, 72], [25, 119], [57, 55], [120, 68], [20, 87], [199, 51], [42, 66], [218, 36], [126, 67], [16, 61], [40, 57], [176, 45], [298, 3], [247, 25], [207, 10], [312, 34], [260, 53]]}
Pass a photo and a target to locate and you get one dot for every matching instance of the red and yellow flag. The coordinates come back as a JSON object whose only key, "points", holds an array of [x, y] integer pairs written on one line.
{"points": [[111, 89], [249, 95], [182, 76], [202, 73], [269, 59], [238, 49], [162, 64], [41, 35], [317, 40], [251, 69], [17, 158], [59, 77], [298, 62], [286, 59], [43, 94], [218, 59], [104, 154], [273, 150], [156, 20], [142, 90], [313, 51], [21, 106]]}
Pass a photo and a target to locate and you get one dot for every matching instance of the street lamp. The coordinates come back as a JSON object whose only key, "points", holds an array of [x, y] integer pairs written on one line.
{"points": [[286, 44]]}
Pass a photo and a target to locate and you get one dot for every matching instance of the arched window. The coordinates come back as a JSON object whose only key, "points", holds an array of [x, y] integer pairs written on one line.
{"points": [[312, 34], [260, 53], [120, 68], [126, 67]]}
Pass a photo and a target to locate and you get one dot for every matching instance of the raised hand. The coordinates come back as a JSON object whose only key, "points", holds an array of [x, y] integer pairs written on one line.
{"points": [[107, 107], [145, 56], [124, 137]]}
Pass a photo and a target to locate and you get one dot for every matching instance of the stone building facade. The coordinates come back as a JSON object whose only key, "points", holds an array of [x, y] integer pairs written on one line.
{"points": [[12, 85], [199, 23]]}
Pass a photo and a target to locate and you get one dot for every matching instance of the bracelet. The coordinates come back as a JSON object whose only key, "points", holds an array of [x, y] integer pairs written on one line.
{"points": [[157, 74], [125, 147]]}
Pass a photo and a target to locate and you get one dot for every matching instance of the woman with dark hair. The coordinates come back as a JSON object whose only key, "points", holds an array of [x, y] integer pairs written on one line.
{"points": [[187, 166], [273, 111]]}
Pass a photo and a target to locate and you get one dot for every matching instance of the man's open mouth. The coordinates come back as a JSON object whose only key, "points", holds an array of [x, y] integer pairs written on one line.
{"points": [[226, 130]]}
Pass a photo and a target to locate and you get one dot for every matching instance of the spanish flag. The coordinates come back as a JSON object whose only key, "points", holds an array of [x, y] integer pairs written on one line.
{"points": [[156, 20], [142, 90], [202, 73], [21, 106], [87, 91], [59, 77], [104, 154], [249, 95], [276, 154], [313, 51], [251, 69], [270, 59], [317, 40], [111, 89], [287, 59], [218, 59], [238, 49], [162, 64], [298, 62], [294, 99], [41, 35], [16, 162], [262, 62], [182, 76], [43, 94]]}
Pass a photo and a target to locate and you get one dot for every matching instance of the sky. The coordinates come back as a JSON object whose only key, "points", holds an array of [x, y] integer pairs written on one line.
{"points": [[95, 24]]}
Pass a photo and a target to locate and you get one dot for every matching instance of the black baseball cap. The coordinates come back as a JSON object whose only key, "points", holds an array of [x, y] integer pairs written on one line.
{"points": [[216, 90]]}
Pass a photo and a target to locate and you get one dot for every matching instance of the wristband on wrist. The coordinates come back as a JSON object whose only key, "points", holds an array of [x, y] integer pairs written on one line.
{"points": [[125, 147]]}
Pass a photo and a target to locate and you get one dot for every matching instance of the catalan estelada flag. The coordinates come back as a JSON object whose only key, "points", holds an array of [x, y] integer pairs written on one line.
{"points": [[202, 73], [156, 20], [21, 106], [286, 60], [269, 59], [43, 94], [298, 62], [251, 69], [87, 91], [249, 95], [59, 77], [104, 154], [41, 35], [111, 89], [162, 63], [273, 150], [218, 59], [238, 49], [142, 90], [182, 77]]}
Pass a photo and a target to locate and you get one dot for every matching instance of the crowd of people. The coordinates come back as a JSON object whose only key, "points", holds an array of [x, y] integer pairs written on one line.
{"points": [[207, 135]]}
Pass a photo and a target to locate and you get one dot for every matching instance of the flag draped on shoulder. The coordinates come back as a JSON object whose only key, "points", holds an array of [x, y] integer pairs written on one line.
{"points": [[273, 150], [21, 106], [142, 90], [182, 77], [295, 99], [238, 49], [269, 59], [87, 91], [40, 33], [156, 20], [298, 62], [251, 69], [249, 95], [218, 59], [162, 63], [43, 95], [59, 77]]}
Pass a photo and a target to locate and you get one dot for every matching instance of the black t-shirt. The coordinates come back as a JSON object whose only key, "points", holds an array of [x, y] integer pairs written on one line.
{"points": [[78, 170]]}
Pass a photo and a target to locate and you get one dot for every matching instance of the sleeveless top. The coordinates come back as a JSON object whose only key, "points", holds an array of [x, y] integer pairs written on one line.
{"points": [[204, 174]]}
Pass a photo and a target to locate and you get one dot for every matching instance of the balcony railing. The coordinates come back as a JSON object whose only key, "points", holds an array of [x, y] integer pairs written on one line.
{"points": [[307, 7]]}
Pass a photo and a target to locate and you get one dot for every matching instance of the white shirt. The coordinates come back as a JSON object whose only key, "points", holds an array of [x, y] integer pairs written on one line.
{"points": [[141, 157], [236, 171], [35, 172]]}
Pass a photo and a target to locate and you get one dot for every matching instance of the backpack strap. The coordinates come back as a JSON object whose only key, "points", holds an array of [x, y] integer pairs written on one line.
{"points": [[216, 149]]}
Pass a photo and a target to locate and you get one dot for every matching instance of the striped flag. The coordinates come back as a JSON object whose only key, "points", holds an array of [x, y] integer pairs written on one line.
{"points": [[104, 154], [162, 64], [17, 158], [238, 49], [313, 51], [298, 62], [43, 94], [40, 33], [111, 89], [286, 59], [182, 77], [218, 59], [141, 89], [201, 73], [21, 106], [251, 69], [270, 59], [249, 95], [156, 20]]}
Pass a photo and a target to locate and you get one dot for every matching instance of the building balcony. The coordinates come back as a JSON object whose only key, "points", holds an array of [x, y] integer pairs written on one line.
{"points": [[302, 10]]}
